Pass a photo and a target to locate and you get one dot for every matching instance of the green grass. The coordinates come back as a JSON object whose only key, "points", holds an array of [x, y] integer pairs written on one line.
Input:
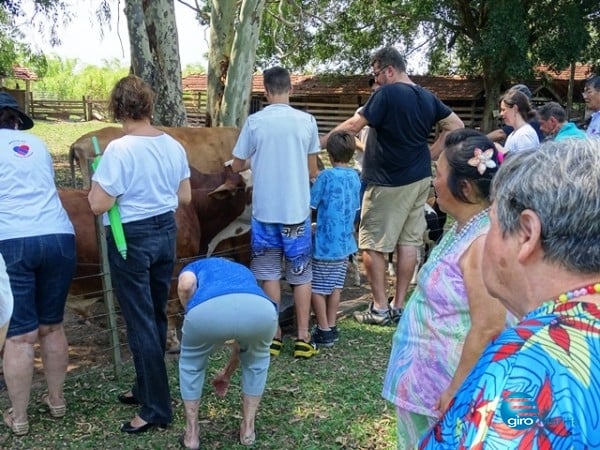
{"points": [[58, 137], [331, 401]]}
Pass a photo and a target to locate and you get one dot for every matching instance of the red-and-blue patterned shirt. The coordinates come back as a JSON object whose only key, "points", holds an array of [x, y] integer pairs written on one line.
{"points": [[537, 386]]}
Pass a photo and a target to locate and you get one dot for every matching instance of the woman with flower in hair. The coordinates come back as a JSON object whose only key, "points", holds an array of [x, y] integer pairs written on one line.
{"points": [[450, 316], [536, 384]]}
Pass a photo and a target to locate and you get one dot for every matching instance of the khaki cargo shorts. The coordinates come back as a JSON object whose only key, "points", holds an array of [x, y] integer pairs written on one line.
{"points": [[393, 216]]}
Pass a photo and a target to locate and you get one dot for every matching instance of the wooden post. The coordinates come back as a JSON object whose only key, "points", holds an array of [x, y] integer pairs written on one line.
{"points": [[87, 108], [109, 297], [31, 109]]}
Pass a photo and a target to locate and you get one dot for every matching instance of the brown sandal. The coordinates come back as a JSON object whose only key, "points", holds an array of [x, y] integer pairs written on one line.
{"points": [[56, 411], [18, 428]]}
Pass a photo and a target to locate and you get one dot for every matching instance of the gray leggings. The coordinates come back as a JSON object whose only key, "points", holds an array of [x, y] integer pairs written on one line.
{"points": [[249, 319]]}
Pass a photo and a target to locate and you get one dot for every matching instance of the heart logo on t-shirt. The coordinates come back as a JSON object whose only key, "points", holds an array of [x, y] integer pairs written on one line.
{"points": [[21, 150]]}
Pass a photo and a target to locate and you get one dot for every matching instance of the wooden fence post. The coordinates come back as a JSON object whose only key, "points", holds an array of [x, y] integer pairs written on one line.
{"points": [[107, 290], [87, 108]]}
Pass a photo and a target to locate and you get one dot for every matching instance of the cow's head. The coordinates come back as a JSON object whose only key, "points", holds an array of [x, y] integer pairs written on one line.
{"points": [[233, 183]]}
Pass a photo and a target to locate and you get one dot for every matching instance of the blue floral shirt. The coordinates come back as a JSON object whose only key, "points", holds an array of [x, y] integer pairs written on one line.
{"points": [[335, 196], [537, 386]]}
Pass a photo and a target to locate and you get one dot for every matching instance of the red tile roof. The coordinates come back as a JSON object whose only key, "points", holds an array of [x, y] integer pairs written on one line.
{"points": [[582, 72], [23, 73], [450, 88], [303, 85]]}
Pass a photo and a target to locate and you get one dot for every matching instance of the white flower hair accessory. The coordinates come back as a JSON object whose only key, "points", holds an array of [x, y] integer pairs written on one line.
{"points": [[482, 160]]}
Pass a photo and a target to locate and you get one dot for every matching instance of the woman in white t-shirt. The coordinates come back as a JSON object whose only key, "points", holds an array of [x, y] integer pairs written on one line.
{"points": [[37, 243], [146, 174], [516, 111]]}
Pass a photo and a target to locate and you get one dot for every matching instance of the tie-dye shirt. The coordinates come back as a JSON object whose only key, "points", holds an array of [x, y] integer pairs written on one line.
{"points": [[537, 386], [429, 339]]}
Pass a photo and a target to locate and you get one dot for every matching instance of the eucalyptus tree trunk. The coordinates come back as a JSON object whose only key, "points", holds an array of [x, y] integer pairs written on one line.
{"points": [[155, 56], [222, 19], [236, 98], [491, 86]]}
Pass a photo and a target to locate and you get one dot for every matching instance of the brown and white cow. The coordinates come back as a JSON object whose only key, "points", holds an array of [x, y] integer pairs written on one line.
{"points": [[206, 148], [218, 201]]}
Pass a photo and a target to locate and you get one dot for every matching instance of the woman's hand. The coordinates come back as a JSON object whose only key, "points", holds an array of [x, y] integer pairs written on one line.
{"points": [[444, 401], [221, 381]]}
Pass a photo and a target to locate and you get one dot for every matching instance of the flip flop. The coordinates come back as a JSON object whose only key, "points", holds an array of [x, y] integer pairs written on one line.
{"points": [[18, 428], [56, 411]]}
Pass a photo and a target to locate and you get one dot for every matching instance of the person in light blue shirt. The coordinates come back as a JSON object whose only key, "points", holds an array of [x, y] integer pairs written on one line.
{"points": [[280, 144], [554, 125], [335, 196], [591, 96]]}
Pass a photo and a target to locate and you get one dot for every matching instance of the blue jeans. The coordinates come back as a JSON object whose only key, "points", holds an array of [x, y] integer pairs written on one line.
{"points": [[40, 270], [142, 283]]}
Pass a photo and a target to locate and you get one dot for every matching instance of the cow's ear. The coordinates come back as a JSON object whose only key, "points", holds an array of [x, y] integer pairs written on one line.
{"points": [[222, 192]]}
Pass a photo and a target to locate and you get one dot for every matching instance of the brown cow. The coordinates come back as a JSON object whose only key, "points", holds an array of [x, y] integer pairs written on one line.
{"points": [[218, 200], [206, 148]]}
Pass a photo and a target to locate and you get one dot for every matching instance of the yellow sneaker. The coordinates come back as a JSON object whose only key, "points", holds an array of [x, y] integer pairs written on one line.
{"points": [[304, 349], [276, 347]]}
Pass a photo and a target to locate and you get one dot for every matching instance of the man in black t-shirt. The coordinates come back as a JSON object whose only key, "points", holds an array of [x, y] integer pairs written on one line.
{"points": [[397, 171]]}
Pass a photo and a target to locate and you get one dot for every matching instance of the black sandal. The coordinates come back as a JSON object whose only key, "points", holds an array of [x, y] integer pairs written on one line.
{"points": [[128, 399]]}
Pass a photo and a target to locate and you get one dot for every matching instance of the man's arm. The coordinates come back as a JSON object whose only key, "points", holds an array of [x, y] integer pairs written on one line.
{"points": [[353, 125], [448, 124], [497, 135], [239, 165]]}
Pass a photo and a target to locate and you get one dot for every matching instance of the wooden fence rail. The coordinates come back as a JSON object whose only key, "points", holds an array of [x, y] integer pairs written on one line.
{"points": [[327, 115], [93, 109], [58, 109]]}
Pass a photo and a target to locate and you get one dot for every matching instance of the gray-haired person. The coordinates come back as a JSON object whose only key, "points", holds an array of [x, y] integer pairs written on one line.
{"points": [[554, 124], [537, 382], [591, 96]]}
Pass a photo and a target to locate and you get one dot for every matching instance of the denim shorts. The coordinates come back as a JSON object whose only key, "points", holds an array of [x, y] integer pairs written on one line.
{"points": [[40, 269]]}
